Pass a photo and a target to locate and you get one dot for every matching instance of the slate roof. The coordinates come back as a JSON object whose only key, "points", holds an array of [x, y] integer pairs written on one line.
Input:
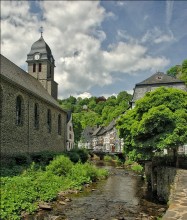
{"points": [[21, 78], [87, 133], [40, 46], [159, 78], [96, 131]]}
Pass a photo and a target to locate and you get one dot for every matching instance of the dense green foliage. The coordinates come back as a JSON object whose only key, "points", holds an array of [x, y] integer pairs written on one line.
{"points": [[179, 71], [15, 165], [90, 112], [158, 121], [23, 193]]}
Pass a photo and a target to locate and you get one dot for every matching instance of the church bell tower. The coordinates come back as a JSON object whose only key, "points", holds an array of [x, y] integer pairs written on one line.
{"points": [[41, 65]]}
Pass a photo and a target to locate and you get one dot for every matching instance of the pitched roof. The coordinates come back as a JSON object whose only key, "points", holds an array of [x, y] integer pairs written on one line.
{"points": [[96, 131], [159, 78], [16, 75], [87, 133]]}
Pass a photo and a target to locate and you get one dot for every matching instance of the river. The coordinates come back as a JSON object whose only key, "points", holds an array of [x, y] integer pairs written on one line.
{"points": [[121, 196]]}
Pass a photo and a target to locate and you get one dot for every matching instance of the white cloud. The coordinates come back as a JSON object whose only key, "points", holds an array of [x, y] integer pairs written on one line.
{"points": [[84, 95], [129, 58], [73, 31], [169, 11], [156, 35]]}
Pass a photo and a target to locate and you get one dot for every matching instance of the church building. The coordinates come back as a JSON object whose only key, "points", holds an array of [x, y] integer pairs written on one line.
{"points": [[31, 120]]}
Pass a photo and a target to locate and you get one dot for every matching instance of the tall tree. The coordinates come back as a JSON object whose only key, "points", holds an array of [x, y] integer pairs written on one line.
{"points": [[158, 121]]}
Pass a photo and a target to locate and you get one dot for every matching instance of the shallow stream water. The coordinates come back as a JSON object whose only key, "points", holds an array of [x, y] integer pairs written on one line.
{"points": [[120, 196]]}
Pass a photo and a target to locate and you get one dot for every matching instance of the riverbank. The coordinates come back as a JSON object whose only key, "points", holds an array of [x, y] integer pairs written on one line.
{"points": [[23, 193], [120, 196]]}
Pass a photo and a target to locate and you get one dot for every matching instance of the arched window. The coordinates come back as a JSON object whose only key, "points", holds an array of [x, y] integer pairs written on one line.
{"points": [[1, 102], [34, 67], [36, 116], [59, 124], [19, 111], [40, 67], [49, 120]]}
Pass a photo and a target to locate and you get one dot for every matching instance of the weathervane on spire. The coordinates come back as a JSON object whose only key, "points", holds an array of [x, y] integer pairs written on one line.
{"points": [[41, 31]]}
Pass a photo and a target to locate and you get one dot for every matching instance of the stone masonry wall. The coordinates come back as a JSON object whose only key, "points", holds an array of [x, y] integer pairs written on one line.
{"points": [[160, 178], [141, 90], [15, 139]]}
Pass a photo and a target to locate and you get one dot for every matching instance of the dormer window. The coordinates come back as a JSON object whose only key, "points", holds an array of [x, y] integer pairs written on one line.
{"points": [[159, 77]]}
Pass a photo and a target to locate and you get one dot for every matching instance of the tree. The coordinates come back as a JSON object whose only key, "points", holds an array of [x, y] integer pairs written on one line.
{"points": [[158, 121], [174, 70], [184, 71], [179, 71], [77, 127]]}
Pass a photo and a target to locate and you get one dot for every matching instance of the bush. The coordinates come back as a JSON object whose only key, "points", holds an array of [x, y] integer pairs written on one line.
{"points": [[77, 154], [137, 168], [85, 173], [73, 156], [61, 165], [107, 158]]}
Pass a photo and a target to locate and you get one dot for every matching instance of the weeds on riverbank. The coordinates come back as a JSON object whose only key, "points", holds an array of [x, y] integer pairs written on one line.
{"points": [[23, 193], [114, 160], [134, 166]]}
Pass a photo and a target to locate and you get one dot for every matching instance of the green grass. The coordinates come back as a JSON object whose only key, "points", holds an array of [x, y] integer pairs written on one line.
{"points": [[24, 192]]}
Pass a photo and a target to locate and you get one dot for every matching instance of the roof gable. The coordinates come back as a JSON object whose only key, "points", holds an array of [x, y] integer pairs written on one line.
{"points": [[160, 78]]}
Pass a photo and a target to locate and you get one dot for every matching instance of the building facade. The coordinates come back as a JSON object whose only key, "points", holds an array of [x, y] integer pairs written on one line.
{"points": [[157, 80], [31, 119], [70, 132]]}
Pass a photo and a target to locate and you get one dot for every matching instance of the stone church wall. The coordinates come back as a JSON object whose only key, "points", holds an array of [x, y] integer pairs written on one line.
{"points": [[25, 138]]}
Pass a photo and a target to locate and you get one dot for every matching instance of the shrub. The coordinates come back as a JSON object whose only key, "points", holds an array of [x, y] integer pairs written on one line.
{"points": [[107, 158], [85, 173], [73, 156], [128, 162], [61, 165], [77, 154], [137, 167]]}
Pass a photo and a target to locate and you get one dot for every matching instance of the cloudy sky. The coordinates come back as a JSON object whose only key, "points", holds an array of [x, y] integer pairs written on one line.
{"points": [[100, 47]]}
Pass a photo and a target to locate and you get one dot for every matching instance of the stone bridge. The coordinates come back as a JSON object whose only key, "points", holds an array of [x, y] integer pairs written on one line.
{"points": [[101, 154]]}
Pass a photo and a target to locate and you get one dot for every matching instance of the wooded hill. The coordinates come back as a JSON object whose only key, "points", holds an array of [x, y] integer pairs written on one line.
{"points": [[95, 110]]}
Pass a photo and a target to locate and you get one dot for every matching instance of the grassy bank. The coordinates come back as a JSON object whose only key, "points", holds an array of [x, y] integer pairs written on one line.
{"points": [[23, 192]]}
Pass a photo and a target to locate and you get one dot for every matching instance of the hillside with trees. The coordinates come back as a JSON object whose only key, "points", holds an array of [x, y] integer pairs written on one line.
{"points": [[179, 71], [95, 110]]}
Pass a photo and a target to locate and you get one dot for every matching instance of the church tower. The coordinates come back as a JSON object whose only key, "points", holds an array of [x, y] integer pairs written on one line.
{"points": [[41, 65]]}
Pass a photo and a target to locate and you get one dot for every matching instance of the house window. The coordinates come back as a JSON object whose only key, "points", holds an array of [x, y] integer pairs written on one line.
{"points": [[49, 120], [59, 124], [69, 136], [34, 67], [19, 111], [70, 128], [40, 67], [36, 116]]}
